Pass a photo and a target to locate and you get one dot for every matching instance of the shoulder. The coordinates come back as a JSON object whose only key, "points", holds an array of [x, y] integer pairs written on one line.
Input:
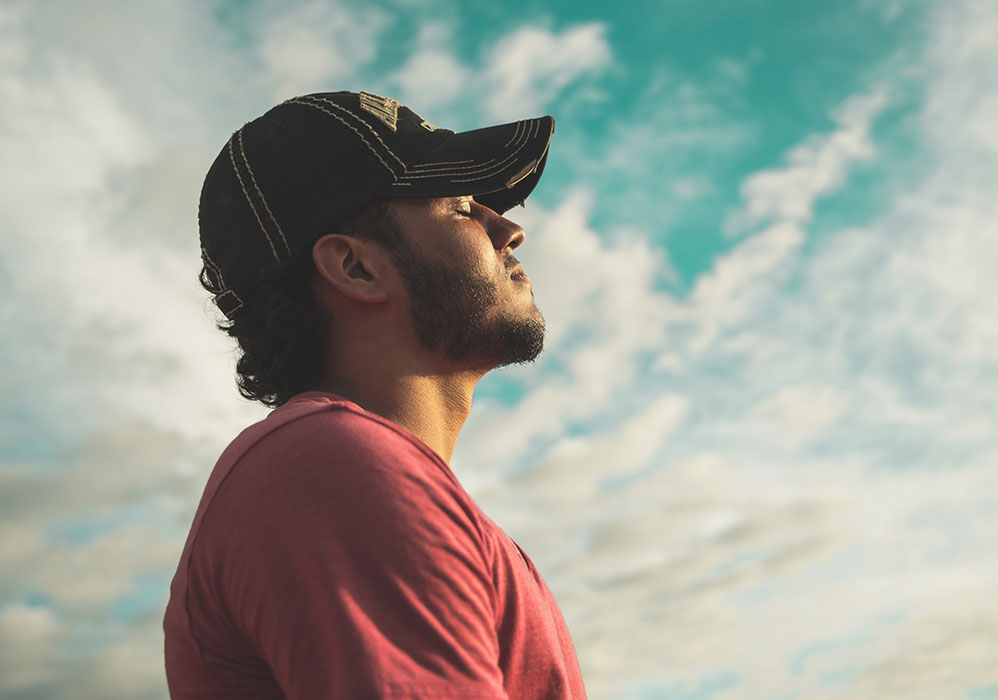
{"points": [[322, 449], [324, 434], [328, 470]]}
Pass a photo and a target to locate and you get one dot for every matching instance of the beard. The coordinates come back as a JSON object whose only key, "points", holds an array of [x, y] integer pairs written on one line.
{"points": [[454, 313]]}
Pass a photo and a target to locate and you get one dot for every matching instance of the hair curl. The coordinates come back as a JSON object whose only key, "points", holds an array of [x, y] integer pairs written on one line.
{"points": [[282, 333]]}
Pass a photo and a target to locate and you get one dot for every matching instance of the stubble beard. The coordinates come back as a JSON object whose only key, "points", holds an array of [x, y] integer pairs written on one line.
{"points": [[453, 313]]}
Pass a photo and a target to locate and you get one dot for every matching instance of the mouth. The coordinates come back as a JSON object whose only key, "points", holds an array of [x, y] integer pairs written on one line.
{"points": [[519, 274]]}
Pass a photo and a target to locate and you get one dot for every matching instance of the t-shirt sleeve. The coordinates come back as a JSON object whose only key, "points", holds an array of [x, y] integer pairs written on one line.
{"points": [[350, 561]]}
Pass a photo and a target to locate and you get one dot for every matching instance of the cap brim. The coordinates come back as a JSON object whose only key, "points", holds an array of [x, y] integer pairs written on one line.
{"points": [[498, 165]]}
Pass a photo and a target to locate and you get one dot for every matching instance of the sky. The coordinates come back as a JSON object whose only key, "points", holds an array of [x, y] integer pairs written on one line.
{"points": [[758, 458]]}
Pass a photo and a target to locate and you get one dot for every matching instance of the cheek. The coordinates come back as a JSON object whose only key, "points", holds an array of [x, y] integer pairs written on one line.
{"points": [[475, 254]]}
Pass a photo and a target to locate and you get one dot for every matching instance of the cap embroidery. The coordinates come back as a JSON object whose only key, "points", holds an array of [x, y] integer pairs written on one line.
{"points": [[384, 108]]}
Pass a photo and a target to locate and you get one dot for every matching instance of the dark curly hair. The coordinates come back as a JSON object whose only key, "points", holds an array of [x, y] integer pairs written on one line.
{"points": [[282, 333]]}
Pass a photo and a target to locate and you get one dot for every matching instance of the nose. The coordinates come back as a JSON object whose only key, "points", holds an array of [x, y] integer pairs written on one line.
{"points": [[503, 232]]}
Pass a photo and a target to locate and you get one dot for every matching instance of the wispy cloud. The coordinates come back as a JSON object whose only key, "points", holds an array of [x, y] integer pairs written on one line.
{"points": [[817, 488], [813, 168], [529, 67]]}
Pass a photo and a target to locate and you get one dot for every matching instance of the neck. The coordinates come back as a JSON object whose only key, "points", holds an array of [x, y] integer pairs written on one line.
{"points": [[433, 407]]}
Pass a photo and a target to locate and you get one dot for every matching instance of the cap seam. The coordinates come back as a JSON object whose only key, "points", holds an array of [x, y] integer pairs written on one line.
{"points": [[249, 169], [340, 119], [214, 267], [365, 123], [249, 200]]}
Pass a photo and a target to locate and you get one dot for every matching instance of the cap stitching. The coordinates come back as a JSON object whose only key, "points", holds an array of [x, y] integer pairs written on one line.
{"points": [[365, 123], [440, 162], [263, 199], [482, 177], [263, 228], [349, 126], [516, 134], [213, 266], [496, 167], [227, 292], [455, 170], [488, 165]]}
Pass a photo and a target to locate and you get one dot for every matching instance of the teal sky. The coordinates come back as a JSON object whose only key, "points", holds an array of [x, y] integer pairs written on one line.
{"points": [[758, 457]]}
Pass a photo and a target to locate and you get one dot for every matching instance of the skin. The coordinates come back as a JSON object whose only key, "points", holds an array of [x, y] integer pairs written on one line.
{"points": [[375, 354]]}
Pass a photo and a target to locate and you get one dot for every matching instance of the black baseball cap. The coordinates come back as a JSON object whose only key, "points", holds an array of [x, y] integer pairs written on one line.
{"points": [[294, 174]]}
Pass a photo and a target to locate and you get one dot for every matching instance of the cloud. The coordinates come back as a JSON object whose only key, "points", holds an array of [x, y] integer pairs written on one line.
{"points": [[668, 146], [801, 445], [831, 480], [793, 414], [597, 318], [308, 47], [432, 76], [813, 168], [528, 68], [740, 280], [28, 636]]}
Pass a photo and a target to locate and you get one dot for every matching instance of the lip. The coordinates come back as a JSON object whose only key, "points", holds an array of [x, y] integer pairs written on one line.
{"points": [[519, 274]]}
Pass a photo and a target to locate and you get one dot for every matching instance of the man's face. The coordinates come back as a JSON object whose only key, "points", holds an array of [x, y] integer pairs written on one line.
{"points": [[468, 296]]}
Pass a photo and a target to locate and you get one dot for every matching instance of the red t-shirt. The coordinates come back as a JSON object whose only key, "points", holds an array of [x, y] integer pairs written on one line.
{"points": [[334, 555]]}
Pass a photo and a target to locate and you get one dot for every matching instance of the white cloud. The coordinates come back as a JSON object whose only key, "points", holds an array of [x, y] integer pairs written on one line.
{"points": [[661, 151], [130, 667], [28, 636], [308, 47], [432, 76], [814, 168], [741, 279], [600, 309], [13, 49], [791, 415], [832, 481], [81, 580], [108, 338], [528, 68], [818, 464]]}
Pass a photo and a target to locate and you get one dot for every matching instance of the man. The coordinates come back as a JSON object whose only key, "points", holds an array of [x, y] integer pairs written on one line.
{"points": [[364, 263]]}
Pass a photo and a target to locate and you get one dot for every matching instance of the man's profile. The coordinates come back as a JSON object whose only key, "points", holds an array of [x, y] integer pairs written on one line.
{"points": [[362, 259]]}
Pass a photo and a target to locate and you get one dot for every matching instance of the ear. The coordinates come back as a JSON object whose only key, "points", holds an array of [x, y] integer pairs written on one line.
{"points": [[355, 268]]}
